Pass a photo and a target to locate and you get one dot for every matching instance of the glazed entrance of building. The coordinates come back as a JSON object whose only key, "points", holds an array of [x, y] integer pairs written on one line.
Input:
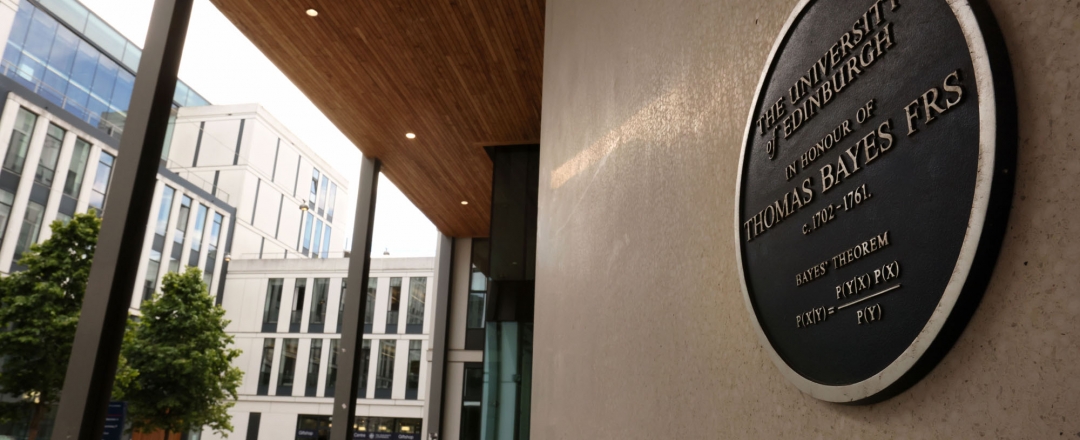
{"points": [[314, 427]]}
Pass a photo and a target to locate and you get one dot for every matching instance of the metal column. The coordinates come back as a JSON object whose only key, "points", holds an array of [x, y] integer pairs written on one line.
{"points": [[443, 268], [88, 383], [352, 327]]}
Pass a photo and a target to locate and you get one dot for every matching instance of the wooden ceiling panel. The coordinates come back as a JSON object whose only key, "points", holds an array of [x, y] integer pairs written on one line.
{"points": [[461, 74]]}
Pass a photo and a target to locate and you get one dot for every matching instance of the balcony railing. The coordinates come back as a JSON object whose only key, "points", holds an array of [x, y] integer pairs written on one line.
{"points": [[190, 174]]}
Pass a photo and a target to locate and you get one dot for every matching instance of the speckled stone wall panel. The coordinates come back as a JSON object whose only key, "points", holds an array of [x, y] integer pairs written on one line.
{"points": [[641, 329]]}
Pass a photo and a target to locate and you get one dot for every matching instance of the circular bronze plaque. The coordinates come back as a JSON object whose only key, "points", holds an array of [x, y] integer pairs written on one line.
{"points": [[874, 186]]}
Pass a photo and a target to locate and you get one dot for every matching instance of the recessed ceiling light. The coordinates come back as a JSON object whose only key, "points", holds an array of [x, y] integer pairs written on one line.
{"points": [[464, 202], [410, 135], [312, 12]]}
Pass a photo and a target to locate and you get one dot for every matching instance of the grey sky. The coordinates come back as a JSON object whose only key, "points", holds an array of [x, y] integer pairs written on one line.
{"points": [[225, 68]]}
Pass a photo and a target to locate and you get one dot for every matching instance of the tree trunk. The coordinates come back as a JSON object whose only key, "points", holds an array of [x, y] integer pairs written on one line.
{"points": [[35, 421], [166, 435]]}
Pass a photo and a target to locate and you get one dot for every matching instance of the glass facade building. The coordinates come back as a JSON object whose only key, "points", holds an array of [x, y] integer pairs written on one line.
{"points": [[68, 55]]}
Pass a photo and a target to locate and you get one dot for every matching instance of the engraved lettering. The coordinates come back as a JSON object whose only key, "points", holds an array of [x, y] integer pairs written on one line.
{"points": [[953, 88], [860, 250]]}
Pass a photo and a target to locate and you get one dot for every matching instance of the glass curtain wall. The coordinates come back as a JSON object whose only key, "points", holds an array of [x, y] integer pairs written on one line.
{"points": [[196, 236], [265, 366], [414, 322], [412, 378], [178, 236], [101, 182], [384, 375], [314, 357], [297, 313], [319, 295], [6, 200], [77, 170], [330, 200], [287, 367], [162, 226], [392, 308], [365, 366], [508, 386], [50, 154], [272, 306], [54, 59], [341, 303], [211, 250], [471, 400], [20, 141], [369, 307], [31, 227], [331, 368]]}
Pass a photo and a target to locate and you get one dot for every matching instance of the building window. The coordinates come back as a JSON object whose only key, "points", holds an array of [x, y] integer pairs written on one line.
{"points": [[253, 426], [211, 250], [101, 182], [326, 242], [369, 307], [471, 397], [477, 284], [314, 357], [77, 169], [6, 200], [365, 366], [272, 307], [409, 426], [50, 154], [331, 369], [161, 226], [383, 424], [318, 237], [196, 236], [297, 313], [320, 293], [387, 427], [31, 227], [314, 188], [307, 234], [330, 200], [287, 367], [384, 376], [178, 236], [20, 141], [264, 366], [393, 306], [341, 304], [322, 195], [414, 322], [412, 379], [312, 427]]}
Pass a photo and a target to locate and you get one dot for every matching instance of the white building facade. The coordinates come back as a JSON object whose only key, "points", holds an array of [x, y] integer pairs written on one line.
{"points": [[239, 197], [269, 175], [285, 317]]}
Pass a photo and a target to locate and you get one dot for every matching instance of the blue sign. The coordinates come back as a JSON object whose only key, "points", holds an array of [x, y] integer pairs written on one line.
{"points": [[114, 421]]}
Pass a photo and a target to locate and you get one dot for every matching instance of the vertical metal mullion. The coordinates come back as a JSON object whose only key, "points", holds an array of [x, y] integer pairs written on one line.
{"points": [[351, 329], [89, 379], [433, 403]]}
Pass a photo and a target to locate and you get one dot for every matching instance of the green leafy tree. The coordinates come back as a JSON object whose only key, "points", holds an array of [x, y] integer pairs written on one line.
{"points": [[40, 309], [182, 356]]}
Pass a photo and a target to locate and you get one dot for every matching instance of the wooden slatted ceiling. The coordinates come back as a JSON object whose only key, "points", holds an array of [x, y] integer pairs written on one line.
{"points": [[461, 74]]}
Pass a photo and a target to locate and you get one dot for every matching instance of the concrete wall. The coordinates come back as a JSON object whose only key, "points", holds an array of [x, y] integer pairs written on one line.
{"points": [[641, 328]]}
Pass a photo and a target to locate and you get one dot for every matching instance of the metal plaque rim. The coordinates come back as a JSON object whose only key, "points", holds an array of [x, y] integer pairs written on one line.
{"points": [[867, 389]]}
